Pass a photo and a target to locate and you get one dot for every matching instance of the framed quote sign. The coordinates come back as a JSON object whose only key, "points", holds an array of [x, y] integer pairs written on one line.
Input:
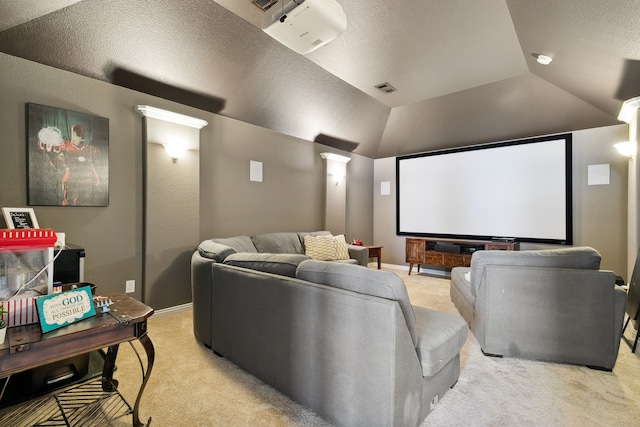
{"points": [[20, 218]]}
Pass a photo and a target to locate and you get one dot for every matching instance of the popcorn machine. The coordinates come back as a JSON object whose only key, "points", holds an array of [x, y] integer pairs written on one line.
{"points": [[26, 272]]}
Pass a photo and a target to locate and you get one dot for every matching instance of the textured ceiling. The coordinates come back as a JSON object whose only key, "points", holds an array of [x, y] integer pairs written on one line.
{"points": [[464, 70], [14, 13]]}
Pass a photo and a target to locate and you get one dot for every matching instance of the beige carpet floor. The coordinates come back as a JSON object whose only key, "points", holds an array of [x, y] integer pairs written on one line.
{"points": [[190, 386]]}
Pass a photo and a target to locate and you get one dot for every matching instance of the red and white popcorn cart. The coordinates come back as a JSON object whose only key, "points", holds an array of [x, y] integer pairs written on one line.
{"points": [[26, 272]]}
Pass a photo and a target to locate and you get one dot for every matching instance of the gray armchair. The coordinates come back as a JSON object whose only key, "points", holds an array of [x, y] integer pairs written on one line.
{"points": [[551, 305]]}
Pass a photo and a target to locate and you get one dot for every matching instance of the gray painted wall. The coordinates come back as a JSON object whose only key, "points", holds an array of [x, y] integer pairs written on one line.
{"points": [[289, 199], [291, 195], [600, 212]]}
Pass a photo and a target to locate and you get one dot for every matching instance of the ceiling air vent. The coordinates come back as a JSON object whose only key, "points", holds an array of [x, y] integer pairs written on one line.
{"points": [[264, 4], [386, 88]]}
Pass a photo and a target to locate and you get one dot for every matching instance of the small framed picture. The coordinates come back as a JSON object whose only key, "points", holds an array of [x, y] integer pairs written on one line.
{"points": [[20, 218]]}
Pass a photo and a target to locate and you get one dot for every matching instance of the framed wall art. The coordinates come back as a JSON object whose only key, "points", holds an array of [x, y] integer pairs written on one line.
{"points": [[16, 218], [67, 157]]}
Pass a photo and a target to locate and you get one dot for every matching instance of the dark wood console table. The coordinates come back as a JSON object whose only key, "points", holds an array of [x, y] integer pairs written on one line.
{"points": [[449, 253], [26, 348]]}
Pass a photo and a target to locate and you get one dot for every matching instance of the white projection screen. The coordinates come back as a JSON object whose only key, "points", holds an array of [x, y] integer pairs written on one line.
{"points": [[517, 189]]}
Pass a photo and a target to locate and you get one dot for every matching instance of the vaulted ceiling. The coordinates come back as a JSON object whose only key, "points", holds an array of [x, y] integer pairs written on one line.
{"points": [[464, 71]]}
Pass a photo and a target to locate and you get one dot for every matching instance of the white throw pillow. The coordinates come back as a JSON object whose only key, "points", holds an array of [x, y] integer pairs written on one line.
{"points": [[320, 247], [342, 251]]}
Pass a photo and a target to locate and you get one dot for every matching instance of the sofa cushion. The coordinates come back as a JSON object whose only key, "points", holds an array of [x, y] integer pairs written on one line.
{"points": [[239, 243], [320, 247], [440, 338], [383, 284], [281, 264], [278, 243], [575, 257], [214, 250]]}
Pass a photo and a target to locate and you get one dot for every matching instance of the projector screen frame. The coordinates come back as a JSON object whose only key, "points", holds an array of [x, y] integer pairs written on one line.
{"points": [[568, 189]]}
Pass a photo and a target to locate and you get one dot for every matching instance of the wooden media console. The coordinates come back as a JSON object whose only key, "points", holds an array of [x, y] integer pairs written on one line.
{"points": [[449, 253]]}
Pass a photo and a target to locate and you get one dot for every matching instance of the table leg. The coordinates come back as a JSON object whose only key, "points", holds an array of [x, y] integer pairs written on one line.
{"points": [[108, 383], [635, 342], [148, 348]]}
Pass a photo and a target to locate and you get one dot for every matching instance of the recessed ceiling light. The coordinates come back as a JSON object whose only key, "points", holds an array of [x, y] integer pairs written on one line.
{"points": [[544, 59]]}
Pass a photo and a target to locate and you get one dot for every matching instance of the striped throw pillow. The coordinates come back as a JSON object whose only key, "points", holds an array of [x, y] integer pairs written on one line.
{"points": [[342, 251], [320, 247]]}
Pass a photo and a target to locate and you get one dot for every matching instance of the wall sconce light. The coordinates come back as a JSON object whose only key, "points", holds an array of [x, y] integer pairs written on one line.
{"points": [[337, 157], [170, 116], [175, 150], [627, 148], [628, 109], [337, 177], [337, 171]]}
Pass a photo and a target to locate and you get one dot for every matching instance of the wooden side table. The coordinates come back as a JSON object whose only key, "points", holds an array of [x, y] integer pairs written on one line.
{"points": [[375, 252], [27, 347]]}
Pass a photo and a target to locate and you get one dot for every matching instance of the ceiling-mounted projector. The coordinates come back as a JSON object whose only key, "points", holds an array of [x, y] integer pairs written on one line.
{"points": [[305, 25]]}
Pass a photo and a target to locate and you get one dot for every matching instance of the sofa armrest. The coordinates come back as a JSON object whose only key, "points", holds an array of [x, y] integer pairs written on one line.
{"points": [[214, 250], [553, 314], [359, 253], [201, 283]]}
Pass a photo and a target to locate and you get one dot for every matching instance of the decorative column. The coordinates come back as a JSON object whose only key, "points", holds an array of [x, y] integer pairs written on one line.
{"points": [[335, 215], [171, 222], [629, 115]]}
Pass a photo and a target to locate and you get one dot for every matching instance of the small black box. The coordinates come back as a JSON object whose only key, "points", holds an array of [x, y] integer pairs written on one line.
{"points": [[447, 247]]}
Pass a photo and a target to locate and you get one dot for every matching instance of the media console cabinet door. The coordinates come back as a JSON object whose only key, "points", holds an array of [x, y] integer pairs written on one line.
{"points": [[415, 249]]}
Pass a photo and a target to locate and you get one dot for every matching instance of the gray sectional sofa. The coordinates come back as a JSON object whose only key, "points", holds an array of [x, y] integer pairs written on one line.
{"points": [[271, 243], [554, 305], [339, 338]]}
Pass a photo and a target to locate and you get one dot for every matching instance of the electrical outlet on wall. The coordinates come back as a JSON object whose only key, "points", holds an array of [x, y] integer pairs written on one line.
{"points": [[130, 286]]}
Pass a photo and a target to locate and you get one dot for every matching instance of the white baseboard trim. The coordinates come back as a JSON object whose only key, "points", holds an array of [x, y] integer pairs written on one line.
{"points": [[173, 310], [423, 270]]}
